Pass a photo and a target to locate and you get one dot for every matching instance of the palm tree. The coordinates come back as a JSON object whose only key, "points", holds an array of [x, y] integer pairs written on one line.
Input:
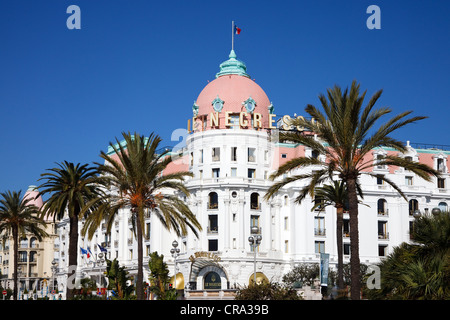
{"points": [[77, 189], [345, 137], [135, 176], [18, 217], [336, 195], [421, 269]]}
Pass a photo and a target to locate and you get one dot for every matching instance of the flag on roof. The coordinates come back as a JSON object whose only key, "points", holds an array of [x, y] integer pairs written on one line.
{"points": [[237, 30]]}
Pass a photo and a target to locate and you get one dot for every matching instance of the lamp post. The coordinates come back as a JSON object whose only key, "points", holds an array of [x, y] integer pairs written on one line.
{"points": [[254, 240], [100, 261], [54, 268], [175, 251]]}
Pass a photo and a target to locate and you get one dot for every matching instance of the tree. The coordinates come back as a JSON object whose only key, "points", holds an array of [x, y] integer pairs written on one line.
{"points": [[76, 189], [117, 280], [18, 217], [419, 270], [159, 277], [345, 138], [336, 195], [136, 181]]}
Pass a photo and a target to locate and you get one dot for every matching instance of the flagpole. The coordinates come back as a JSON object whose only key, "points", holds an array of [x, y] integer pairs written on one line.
{"points": [[232, 35]]}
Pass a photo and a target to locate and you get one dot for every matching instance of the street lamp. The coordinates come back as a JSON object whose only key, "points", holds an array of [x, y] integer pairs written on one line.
{"points": [[254, 242], [100, 261], [175, 251], [54, 268]]}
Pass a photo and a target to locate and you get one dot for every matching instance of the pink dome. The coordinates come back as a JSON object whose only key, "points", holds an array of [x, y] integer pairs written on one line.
{"points": [[31, 194], [233, 90]]}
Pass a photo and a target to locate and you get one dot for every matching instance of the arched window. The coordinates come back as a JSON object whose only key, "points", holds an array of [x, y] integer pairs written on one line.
{"points": [[382, 207], [254, 201], [443, 206], [413, 206], [213, 200], [24, 242], [34, 243]]}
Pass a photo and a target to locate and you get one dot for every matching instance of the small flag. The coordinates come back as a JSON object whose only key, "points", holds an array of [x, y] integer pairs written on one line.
{"points": [[237, 30], [83, 251], [101, 248]]}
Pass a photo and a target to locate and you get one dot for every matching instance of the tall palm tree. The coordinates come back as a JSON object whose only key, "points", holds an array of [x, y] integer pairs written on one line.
{"points": [[336, 195], [77, 190], [136, 180], [17, 217], [346, 136]]}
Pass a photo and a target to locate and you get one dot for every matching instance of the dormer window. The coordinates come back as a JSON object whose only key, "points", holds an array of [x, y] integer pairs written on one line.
{"points": [[249, 104]]}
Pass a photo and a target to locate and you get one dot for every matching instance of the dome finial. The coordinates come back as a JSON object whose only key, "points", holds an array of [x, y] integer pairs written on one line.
{"points": [[233, 66]]}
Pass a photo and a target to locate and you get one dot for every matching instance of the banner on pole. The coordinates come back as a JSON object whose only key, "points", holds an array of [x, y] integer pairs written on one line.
{"points": [[324, 262]]}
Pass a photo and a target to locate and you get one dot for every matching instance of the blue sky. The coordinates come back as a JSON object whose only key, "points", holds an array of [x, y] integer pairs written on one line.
{"points": [[140, 65]]}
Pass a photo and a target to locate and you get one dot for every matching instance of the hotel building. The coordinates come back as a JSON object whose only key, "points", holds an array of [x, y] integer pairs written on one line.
{"points": [[232, 149]]}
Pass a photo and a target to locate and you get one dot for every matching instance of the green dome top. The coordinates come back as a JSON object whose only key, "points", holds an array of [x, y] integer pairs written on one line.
{"points": [[233, 66]]}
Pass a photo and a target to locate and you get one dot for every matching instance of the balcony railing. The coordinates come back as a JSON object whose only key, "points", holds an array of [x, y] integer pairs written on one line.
{"points": [[212, 230], [384, 213], [319, 231], [384, 235]]}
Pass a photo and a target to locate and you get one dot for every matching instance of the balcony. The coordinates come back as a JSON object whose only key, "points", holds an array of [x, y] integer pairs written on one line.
{"points": [[383, 236], [212, 230], [319, 231], [383, 213]]}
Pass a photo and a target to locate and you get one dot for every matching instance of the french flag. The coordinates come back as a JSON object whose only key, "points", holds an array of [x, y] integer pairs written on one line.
{"points": [[83, 251], [237, 30]]}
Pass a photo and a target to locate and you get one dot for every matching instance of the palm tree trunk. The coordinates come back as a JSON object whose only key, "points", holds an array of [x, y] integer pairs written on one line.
{"points": [[73, 253], [16, 256], [339, 225], [354, 240], [140, 273]]}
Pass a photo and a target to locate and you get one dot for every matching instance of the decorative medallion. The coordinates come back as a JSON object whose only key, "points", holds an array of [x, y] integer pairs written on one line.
{"points": [[217, 104], [249, 104]]}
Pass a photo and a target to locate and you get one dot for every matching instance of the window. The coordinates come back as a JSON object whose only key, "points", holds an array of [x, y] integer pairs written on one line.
{"points": [[24, 243], [212, 223], [216, 173], [192, 158], [215, 154], [319, 203], [233, 172], [440, 165], [234, 121], [200, 174], [254, 222], [382, 250], [286, 223], [319, 226], [284, 155], [251, 154], [251, 173], [315, 154], [346, 249], [441, 183], [213, 200], [346, 228], [380, 157], [286, 246], [213, 245], [200, 160], [413, 206], [382, 230], [319, 246], [22, 256], [443, 206], [409, 181], [380, 180], [233, 153], [254, 201], [382, 207]]}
